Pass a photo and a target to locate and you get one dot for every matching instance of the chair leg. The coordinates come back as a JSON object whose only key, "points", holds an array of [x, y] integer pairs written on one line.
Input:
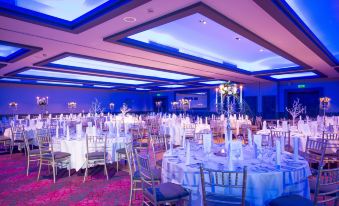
{"points": [[105, 167], [69, 168], [131, 193], [27, 165], [86, 172], [53, 167], [118, 163], [39, 170]]}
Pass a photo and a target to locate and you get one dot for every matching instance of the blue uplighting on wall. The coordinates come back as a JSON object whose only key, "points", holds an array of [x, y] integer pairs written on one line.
{"points": [[61, 13], [80, 63], [321, 17], [199, 38], [294, 75], [77, 77]]}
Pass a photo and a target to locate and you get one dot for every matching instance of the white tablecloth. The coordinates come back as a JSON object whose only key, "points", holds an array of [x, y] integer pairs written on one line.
{"points": [[264, 181]]}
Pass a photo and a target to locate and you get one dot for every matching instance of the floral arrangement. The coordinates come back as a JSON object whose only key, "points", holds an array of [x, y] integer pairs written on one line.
{"points": [[175, 105], [324, 102], [13, 105], [124, 109], [185, 101], [96, 107], [72, 105], [158, 103], [42, 101], [111, 106], [228, 89]]}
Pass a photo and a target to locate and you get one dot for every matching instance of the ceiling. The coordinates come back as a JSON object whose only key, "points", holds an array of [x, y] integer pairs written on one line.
{"points": [[147, 45]]}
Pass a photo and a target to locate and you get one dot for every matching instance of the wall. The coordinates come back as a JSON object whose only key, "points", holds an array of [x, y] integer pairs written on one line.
{"points": [[25, 96]]}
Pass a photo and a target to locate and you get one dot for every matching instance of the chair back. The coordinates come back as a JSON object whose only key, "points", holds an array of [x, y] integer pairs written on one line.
{"points": [[17, 133], [314, 153], [146, 173], [278, 135], [327, 178], [218, 182], [295, 182], [331, 136], [132, 164], [45, 141], [158, 144], [96, 143]]}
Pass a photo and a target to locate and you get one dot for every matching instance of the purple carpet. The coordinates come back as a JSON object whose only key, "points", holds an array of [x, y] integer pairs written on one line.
{"points": [[18, 189]]}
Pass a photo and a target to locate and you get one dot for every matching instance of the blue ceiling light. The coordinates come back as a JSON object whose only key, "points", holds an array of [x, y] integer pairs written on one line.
{"points": [[10, 80], [321, 17], [294, 75], [103, 86], [6, 50], [142, 89], [173, 86], [79, 77], [87, 63], [11, 52], [59, 83], [186, 38], [65, 14], [213, 82]]}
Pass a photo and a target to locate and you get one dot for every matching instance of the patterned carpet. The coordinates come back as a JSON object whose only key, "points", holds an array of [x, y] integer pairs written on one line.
{"points": [[18, 189]]}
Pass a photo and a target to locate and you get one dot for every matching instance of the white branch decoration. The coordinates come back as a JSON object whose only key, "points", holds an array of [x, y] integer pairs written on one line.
{"points": [[96, 107], [296, 110]]}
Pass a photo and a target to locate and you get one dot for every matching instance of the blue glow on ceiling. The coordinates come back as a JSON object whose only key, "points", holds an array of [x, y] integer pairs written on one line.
{"points": [[59, 83], [10, 80], [213, 42], [6, 50], [68, 10], [322, 18], [103, 86], [80, 77], [142, 89], [173, 86], [294, 75], [81, 62], [214, 82]]}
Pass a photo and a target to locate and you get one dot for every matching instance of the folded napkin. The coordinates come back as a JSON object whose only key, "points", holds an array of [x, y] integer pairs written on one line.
{"points": [[236, 152], [249, 137], [257, 145], [264, 126], [79, 130], [67, 133], [278, 153], [188, 153], [295, 148], [207, 142]]}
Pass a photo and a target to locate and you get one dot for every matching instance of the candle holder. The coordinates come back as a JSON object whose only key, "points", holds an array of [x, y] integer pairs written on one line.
{"points": [[158, 105], [124, 109], [14, 107], [175, 105], [71, 106], [324, 105], [111, 107], [42, 103], [185, 104]]}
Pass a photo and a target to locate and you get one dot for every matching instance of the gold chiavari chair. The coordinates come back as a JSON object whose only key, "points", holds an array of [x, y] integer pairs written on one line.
{"points": [[332, 148], [51, 158], [17, 136], [96, 153], [281, 134], [158, 144], [215, 182], [158, 194]]}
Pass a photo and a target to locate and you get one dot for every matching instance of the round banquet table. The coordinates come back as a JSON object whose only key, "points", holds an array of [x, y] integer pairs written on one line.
{"points": [[264, 180]]}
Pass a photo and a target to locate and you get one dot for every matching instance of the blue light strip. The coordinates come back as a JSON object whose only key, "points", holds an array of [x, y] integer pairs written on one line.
{"points": [[10, 80], [294, 75], [80, 77], [6, 50], [173, 86], [80, 62], [213, 82], [142, 89], [59, 83], [103, 86]]}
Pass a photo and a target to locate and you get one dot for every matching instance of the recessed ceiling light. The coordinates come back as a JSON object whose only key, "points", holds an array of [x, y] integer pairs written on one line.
{"points": [[203, 21], [261, 50], [58, 83], [142, 89], [294, 75], [103, 86], [129, 19], [214, 82]]}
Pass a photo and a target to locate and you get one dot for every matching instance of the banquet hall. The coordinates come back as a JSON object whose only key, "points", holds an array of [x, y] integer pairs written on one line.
{"points": [[181, 102]]}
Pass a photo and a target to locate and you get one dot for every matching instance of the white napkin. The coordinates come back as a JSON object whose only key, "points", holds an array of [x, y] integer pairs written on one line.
{"points": [[89, 124], [278, 153], [57, 131], [79, 130], [188, 153], [282, 143], [257, 145], [264, 126], [67, 133], [284, 126], [236, 152], [183, 138], [249, 137], [295, 148], [278, 124], [207, 142]]}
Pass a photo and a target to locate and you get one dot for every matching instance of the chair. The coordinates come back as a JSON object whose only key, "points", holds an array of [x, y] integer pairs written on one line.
{"points": [[33, 155], [17, 138], [215, 182], [6, 142], [51, 158], [96, 152], [158, 147], [327, 187], [332, 148], [293, 192], [281, 134], [160, 194]]}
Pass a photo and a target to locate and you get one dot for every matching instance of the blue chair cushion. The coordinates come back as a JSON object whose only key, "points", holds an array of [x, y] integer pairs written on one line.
{"points": [[57, 155], [216, 200], [167, 192], [291, 200], [95, 155]]}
